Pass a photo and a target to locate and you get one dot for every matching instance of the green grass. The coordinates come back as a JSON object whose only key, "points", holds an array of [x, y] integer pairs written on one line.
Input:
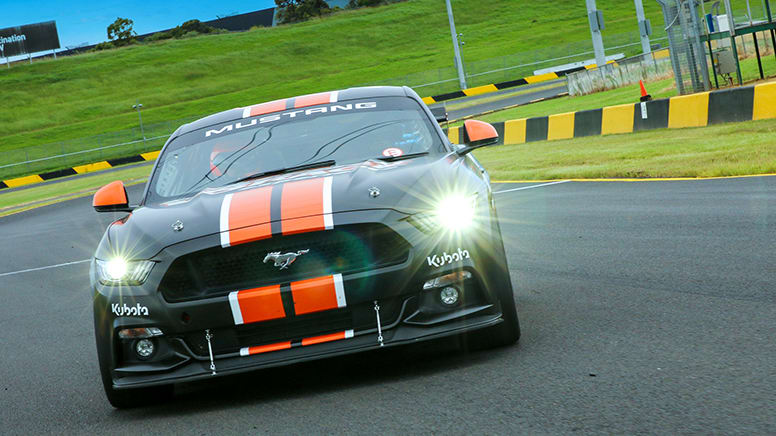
{"points": [[17, 201], [720, 150], [78, 96], [659, 89], [750, 71]]}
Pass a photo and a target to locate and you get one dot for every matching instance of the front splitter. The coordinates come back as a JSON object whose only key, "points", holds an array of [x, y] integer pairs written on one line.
{"points": [[401, 335]]}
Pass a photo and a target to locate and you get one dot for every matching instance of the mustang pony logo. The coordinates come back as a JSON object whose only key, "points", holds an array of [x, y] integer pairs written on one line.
{"points": [[283, 260]]}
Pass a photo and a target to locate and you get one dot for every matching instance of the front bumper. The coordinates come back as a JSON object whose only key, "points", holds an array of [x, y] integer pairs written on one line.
{"points": [[408, 314], [192, 369]]}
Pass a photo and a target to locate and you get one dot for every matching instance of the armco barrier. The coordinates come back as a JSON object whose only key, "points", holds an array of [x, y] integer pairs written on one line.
{"points": [[80, 169], [493, 87], [695, 110]]}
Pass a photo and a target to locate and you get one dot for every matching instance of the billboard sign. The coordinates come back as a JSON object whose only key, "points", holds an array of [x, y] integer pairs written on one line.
{"points": [[30, 38]]}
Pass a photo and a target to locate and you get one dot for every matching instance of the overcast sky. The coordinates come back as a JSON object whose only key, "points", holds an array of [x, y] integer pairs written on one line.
{"points": [[85, 21]]}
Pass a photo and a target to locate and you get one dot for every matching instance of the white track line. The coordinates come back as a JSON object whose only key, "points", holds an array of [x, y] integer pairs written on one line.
{"points": [[44, 267], [531, 187]]}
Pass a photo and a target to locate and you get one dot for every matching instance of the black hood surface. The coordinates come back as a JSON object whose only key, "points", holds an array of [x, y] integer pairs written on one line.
{"points": [[406, 186]]}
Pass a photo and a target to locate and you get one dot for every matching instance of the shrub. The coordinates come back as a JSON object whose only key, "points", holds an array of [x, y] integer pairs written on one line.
{"points": [[107, 45], [187, 29]]}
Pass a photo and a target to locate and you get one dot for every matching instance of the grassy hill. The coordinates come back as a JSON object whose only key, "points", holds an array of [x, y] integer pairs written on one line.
{"points": [[78, 96]]}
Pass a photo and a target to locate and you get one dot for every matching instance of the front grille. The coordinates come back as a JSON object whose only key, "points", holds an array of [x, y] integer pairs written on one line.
{"points": [[346, 249]]}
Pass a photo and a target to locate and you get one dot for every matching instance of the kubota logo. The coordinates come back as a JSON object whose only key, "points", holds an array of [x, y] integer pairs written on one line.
{"points": [[443, 259], [124, 310]]}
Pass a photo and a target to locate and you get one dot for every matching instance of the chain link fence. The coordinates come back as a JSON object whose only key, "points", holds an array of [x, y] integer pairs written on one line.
{"points": [[517, 65], [626, 72], [688, 54]]}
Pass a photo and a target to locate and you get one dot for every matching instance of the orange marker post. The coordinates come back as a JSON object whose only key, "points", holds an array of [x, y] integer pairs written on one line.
{"points": [[644, 95]]}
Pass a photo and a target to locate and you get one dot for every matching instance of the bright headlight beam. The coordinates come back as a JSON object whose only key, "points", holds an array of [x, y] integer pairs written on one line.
{"points": [[456, 212], [116, 269]]}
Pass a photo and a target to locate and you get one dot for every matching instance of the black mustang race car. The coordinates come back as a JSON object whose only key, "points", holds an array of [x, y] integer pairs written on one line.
{"points": [[294, 230]]}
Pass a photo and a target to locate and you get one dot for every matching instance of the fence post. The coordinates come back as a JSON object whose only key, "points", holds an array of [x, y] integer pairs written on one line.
{"points": [[62, 149], [27, 158]]}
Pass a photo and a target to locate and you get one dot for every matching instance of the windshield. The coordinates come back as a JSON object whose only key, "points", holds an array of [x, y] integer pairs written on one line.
{"points": [[347, 132]]}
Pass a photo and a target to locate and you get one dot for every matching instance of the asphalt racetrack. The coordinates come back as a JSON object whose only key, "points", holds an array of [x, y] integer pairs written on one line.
{"points": [[485, 103], [646, 307]]}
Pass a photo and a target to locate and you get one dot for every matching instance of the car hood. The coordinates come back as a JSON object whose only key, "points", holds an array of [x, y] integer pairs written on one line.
{"points": [[407, 186]]}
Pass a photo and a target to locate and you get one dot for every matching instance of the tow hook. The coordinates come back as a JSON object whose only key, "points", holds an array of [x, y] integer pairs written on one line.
{"points": [[379, 326], [208, 336]]}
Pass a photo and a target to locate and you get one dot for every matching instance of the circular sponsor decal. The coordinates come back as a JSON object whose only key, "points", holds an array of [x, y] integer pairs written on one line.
{"points": [[393, 152]]}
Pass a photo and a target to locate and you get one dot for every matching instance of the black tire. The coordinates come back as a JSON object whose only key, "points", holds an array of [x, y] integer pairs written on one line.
{"points": [[500, 335], [508, 331], [130, 398]]}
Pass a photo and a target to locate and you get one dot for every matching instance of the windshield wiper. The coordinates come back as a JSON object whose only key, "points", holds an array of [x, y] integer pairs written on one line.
{"points": [[402, 157], [323, 163]]}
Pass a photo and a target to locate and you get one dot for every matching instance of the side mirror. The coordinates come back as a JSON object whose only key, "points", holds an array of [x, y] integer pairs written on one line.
{"points": [[477, 134], [112, 198]]}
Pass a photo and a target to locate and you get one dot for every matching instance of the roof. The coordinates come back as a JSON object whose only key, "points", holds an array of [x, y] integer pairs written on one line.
{"points": [[297, 102]]}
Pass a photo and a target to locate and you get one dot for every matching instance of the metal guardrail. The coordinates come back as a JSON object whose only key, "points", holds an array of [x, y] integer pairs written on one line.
{"points": [[42, 158], [91, 150]]}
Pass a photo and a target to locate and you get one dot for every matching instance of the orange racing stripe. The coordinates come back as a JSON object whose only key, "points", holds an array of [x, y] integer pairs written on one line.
{"points": [[306, 206], [245, 216], [264, 108], [318, 294], [327, 338], [315, 99], [256, 305], [248, 351], [282, 104]]}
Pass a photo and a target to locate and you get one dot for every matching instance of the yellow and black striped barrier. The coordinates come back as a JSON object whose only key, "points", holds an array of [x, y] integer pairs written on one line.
{"points": [[493, 87], [695, 110], [80, 169]]}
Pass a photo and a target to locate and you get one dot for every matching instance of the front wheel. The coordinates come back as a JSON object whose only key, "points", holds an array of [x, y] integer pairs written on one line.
{"points": [[138, 397], [128, 398], [499, 335]]}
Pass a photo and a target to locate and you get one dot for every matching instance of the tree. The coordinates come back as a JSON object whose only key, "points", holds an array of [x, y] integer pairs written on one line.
{"points": [[121, 32], [292, 11]]}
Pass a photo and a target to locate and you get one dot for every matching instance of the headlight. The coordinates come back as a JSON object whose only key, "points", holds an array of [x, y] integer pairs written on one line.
{"points": [[456, 212], [118, 271]]}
